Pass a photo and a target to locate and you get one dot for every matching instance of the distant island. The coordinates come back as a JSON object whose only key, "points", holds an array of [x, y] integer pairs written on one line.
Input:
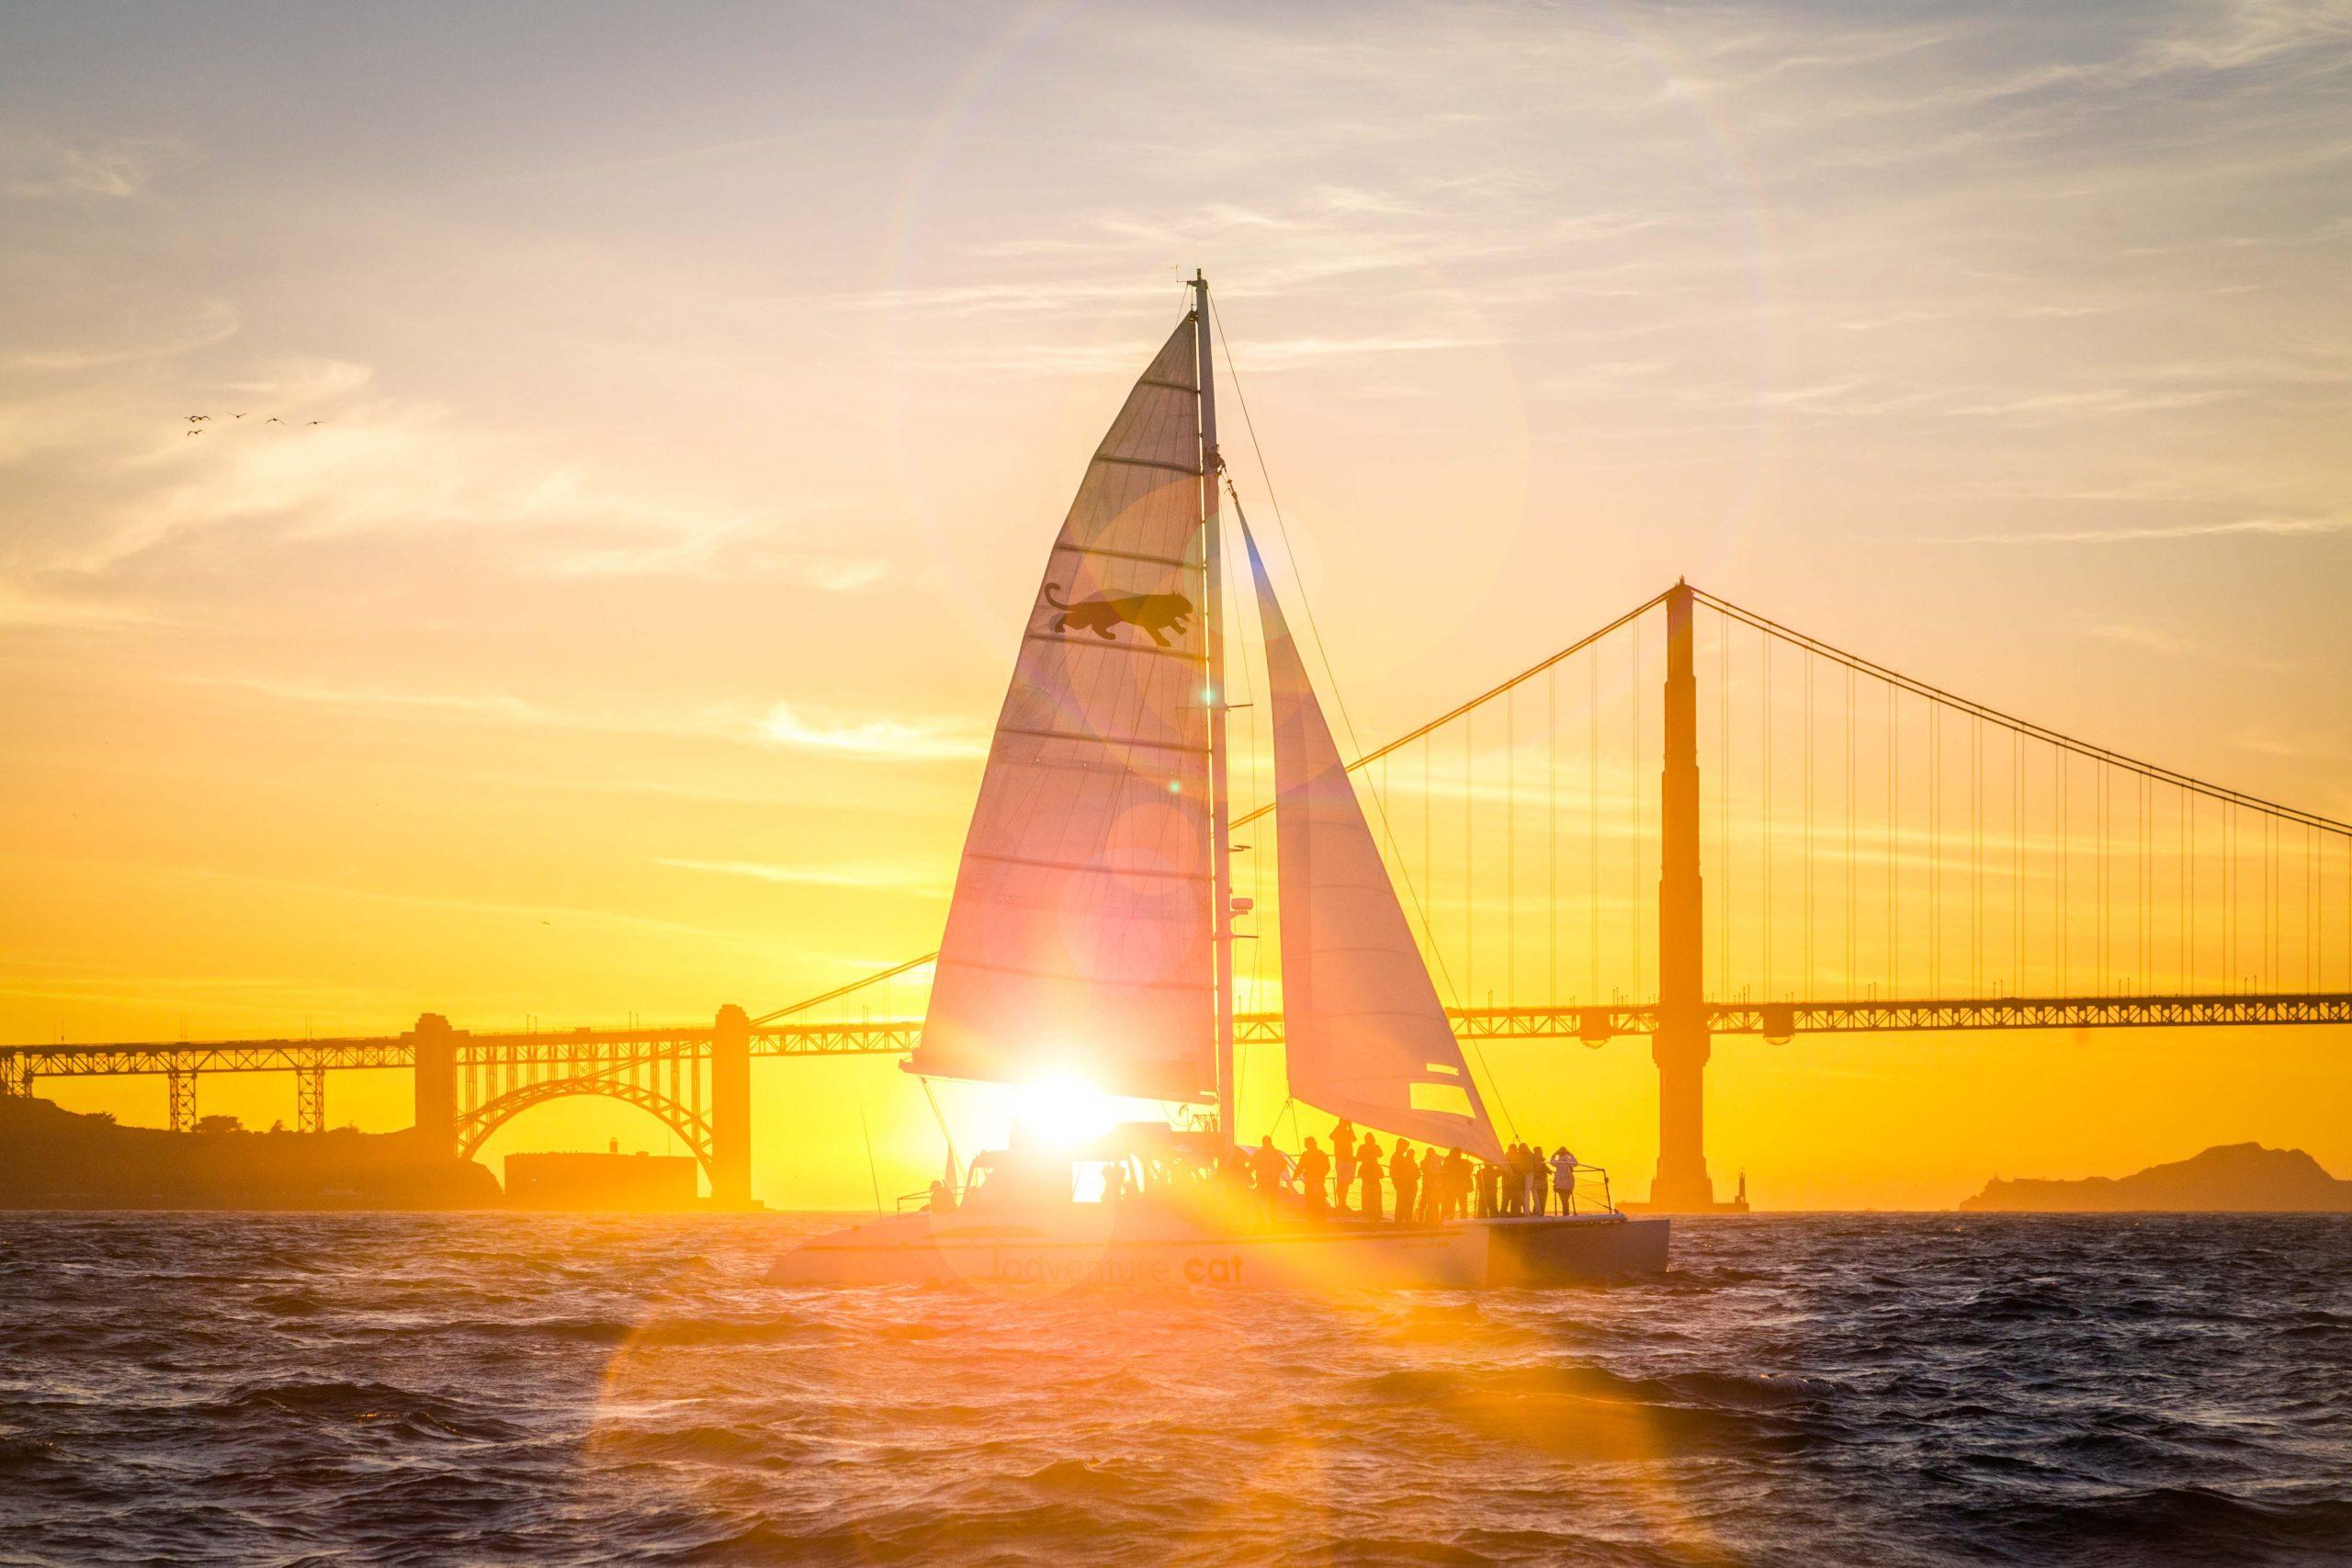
{"points": [[2229, 1178], [55, 1159]]}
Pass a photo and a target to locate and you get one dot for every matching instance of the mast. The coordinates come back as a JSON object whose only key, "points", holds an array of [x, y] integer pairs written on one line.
{"points": [[1212, 618]]}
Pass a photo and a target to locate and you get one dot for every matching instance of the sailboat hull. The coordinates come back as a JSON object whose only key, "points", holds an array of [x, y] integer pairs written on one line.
{"points": [[1042, 1257]]}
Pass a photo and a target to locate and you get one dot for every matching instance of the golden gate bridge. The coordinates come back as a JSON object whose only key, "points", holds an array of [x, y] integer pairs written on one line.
{"points": [[1782, 837]]}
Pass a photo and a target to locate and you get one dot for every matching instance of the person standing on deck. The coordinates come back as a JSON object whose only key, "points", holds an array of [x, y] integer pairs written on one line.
{"points": [[1314, 1164], [1511, 1180], [1368, 1162], [1343, 1156], [1487, 1189], [1457, 1185], [1405, 1170], [1270, 1174], [1434, 1190], [1564, 1178], [1539, 1194]]}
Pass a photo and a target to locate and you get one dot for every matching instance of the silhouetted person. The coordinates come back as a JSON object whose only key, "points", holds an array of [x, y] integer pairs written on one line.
{"points": [[1564, 1178], [1368, 1168], [1539, 1184], [1343, 1158], [1487, 1189], [1314, 1164], [942, 1199], [1405, 1172], [1268, 1174], [1433, 1185], [1457, 1185]]}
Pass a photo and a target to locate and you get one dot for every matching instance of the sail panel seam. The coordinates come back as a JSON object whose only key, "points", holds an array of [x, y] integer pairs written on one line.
{"points": [[1099, 645], [1075, 979], [1103, 740], [1191, 469], [1088, 866], [1132, 555]]}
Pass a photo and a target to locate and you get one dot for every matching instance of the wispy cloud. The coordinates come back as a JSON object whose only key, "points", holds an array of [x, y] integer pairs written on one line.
{"points": [[2136, 532], [2163, 640], [878, 737], [783, 724], [212, 322], [877, 878], [34, 169]]}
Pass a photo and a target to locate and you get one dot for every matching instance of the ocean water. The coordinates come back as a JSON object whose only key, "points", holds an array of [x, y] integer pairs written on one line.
{"points": [[278, 1388]]}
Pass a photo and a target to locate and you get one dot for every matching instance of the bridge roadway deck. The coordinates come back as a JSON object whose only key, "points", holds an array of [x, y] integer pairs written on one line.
{"points": [[897, 1036]]}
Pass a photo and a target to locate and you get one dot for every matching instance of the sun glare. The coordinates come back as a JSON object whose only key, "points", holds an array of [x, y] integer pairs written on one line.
{"points": [[1064, 1111]]}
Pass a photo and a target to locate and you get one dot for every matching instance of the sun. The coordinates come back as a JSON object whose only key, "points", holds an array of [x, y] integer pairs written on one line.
{"points": [[1064, 1111]]}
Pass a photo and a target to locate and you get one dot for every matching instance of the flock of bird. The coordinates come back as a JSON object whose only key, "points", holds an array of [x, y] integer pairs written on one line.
{"points": [[198, 420]]}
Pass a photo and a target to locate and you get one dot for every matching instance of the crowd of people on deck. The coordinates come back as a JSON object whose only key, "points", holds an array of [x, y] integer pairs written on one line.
{"points": [[1355, 1177]]}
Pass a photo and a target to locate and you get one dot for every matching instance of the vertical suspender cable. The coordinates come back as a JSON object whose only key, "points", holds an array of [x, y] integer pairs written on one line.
{"points": [[1632, 803], [1812, 987], [1765, 825], [1850, 830]]}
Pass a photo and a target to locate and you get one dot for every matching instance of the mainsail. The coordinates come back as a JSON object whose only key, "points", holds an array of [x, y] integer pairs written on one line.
{"points": [[1080, 941], [1362, 1024]]}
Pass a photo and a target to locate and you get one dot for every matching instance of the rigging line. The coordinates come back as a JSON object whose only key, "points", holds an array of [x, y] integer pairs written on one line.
{"points": [[2040, 732], [1552, 826], [1380, 810]]}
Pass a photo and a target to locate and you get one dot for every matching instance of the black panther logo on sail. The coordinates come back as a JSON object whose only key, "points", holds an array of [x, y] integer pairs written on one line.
{"points": [[1099, 613]]}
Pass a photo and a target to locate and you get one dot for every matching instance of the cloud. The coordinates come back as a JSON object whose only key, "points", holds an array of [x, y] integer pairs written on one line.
{"points": [[23, 606], [877, 737], [36, 170], [2159, 639], [214, 322], [2131, 533], [893, 879]]}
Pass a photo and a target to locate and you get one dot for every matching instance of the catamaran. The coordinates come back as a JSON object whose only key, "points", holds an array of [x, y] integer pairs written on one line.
{"points": [[1090, 936]]}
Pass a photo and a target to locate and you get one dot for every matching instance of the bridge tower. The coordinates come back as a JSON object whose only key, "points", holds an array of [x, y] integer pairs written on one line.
{"points": [[436, 1083], [730, 1109], [1680, 1046]]}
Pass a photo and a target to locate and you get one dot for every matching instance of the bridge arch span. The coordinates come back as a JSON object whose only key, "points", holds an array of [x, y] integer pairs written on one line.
{"points": [[477, 1126]]}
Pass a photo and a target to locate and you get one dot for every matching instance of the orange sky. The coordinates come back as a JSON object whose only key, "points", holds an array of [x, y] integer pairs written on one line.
{"points": [[697, 397]]}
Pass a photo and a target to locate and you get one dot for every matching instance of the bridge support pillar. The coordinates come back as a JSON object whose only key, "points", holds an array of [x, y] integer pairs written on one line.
{"points": [[436, 1083], [311, 1100], [180, 1085], [1680, 1047], [730, 1109]]}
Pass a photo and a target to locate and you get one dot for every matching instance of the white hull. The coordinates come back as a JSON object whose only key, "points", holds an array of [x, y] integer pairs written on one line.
{"points": [[1078, 1249]]}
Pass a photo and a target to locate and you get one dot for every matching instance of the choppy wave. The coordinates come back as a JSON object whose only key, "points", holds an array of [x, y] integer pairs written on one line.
{"points": [[451, 1389]]}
